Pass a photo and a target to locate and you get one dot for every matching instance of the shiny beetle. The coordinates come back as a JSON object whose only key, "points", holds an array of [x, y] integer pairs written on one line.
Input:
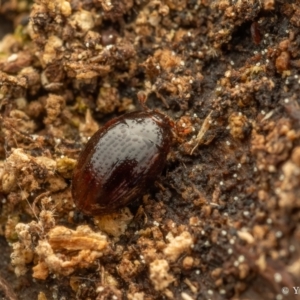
{"points": [[120, 161]]}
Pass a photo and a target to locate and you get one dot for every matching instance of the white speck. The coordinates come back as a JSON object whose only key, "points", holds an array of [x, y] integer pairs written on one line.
{"points": [[278, 234], [197, 272], [229, 251], [262, 112], [241, 258], [254, 169], [223, 232], [87, 45], [279, 297], [62, 156], [222, 292], [155, 223], [232, 241], [266, 35], [296, 76], [114, 297], [195, 116], [255, 52], [232, 62], [157, 67], [239, 166], [12, 57], [3, 200], [210, 292], [286, 100], [292, 248], [277, 277], [246, 213], [183, 125], [228, 143], [191, 81], [182, 63], [236, 263], [235, 175], [267, 61], [189, 34], [227, 74], [100, 289], [258, 64], [287, 31], [202, 232], [235, 198], [221, 183], [207, 244], [269, 221]]}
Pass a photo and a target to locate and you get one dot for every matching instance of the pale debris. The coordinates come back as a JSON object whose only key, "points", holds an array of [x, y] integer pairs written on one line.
{"points": [[84, 246], [114, 224], [159, 275], [178, 245], [136, 296]]}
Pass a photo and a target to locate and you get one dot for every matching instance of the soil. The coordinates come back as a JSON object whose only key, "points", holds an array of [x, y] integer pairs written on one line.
{"points": [[222, 220]]}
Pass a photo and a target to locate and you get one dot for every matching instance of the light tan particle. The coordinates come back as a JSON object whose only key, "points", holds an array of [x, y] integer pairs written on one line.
{"points": [[136, 296], [178, 246], [54, 106], [114, 224], [159, 275], [188, 262], [83, 20], [63, 238], [40, 271], [185, 296], [192, 287], [53, 44], [269, 4], [65, 8], [245, 236]]}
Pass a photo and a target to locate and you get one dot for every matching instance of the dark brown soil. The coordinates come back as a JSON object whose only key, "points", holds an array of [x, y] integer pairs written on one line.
{"points": [[222, 220]]}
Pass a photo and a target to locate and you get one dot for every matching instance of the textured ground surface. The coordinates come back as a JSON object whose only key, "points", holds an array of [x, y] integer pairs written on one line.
{"points": [[222, 221]]}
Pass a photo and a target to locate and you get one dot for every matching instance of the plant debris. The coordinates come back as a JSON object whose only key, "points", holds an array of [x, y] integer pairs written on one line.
{"points": [[222, 219]]}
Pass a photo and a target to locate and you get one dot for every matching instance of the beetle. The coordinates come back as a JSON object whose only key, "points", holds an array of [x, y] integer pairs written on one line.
{"points": [[120, 161]]}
